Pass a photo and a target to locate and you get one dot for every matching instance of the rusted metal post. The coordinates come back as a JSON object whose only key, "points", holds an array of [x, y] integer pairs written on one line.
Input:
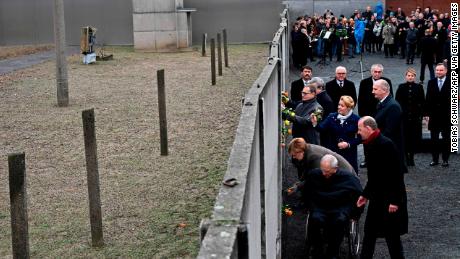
{"points": [[224, 34], [162, 112], [18, 200], [219, 54], [92, 171], [213, 62]]}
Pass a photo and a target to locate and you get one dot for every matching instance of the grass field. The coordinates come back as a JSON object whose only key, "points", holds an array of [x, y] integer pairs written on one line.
{"points": [[144, 196]]}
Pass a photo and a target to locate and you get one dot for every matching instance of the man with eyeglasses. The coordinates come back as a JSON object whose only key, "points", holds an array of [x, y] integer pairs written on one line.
{"points": [[302, 126], [367, 103], [340, 86]]}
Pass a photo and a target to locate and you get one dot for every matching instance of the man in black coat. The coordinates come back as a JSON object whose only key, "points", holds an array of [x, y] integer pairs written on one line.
{"points": [[385, 189], [340, 86], [440, 34], [389, 117], [295, 97], [367, 104], [330, 194], [302, 126], [437, 111], [428, 48]]}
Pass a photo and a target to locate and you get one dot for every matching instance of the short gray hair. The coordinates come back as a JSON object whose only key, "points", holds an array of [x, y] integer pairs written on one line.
{"points": [[331, 160], [369, 122], [318, 81], [383, 84], [373, 67]]}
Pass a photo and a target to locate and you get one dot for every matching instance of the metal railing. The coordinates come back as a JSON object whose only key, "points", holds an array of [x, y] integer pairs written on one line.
{"points": [[246, 221]]}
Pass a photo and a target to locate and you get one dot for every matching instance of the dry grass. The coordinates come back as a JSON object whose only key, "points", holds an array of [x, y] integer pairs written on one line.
{"points": [[15, 51], [144, 196]]}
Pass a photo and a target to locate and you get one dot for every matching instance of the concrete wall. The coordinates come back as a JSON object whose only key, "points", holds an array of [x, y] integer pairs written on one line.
{"points": [[302, 7], [245, 20], [31, 21]]}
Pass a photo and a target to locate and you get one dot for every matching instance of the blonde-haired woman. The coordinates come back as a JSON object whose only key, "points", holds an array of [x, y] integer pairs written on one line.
{"points": [[342, 128], [411, 97]]}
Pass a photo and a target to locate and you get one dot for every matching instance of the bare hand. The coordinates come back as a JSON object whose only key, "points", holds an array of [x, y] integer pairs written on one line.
{"points": [[313, 119], [427, 119], [392, 208], [361, 201], [342, 145]]}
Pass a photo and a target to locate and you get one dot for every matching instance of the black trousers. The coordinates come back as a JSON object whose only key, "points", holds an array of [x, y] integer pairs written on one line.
{"points": [[388, 49], [411, 51], [333, 225], [440, 145], [394, 244], [422, 70]]}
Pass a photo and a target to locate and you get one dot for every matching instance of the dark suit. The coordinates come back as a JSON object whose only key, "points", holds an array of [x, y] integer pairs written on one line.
{"points": [[385, 186], [428, 49], [328, 107], [437, 107], [335, 91], [367, 102], [296, 92], [389, 120]]}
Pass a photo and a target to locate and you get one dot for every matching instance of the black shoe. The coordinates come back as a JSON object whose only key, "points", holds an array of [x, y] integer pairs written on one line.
{"points": [[412, 62], [445, 164], [421, 82], [407, 62], [363, 165], [433, 163]]}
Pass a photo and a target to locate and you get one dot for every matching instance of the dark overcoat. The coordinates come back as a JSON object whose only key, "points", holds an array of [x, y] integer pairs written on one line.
{"points": [[296, 92], [367, 103], [337, 193], [335, 91], [302, 126], [342, 132], [385, 186], [389, 121], [411, 98]]}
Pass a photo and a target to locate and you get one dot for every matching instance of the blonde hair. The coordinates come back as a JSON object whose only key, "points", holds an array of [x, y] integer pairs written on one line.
{"points": [[348, 101], [412, 71]]}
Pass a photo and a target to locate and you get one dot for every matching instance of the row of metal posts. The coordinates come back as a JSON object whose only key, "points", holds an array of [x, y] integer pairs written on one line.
{"points": [[213, 53]]}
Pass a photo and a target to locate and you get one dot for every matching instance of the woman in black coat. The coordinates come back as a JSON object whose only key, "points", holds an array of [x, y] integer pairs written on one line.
{"points": [[411, 97]]}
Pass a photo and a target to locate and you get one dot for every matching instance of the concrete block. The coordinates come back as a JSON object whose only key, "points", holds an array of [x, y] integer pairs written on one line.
{"points": [[165, 5], [166, 40], [165, 21], [182, 40], [181, 21], [144, 40], [144, 22], [143, 6]]}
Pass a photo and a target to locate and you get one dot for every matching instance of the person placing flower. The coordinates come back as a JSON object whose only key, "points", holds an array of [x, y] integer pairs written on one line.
{"points": [[302, 126], [342, 126]]}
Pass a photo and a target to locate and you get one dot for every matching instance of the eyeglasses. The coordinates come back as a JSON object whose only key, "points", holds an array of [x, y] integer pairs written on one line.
{"points": [[304, 93]]}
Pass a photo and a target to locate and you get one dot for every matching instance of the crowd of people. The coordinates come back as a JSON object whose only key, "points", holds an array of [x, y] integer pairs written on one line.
{"points": [[420, 33], [387, 124]]}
